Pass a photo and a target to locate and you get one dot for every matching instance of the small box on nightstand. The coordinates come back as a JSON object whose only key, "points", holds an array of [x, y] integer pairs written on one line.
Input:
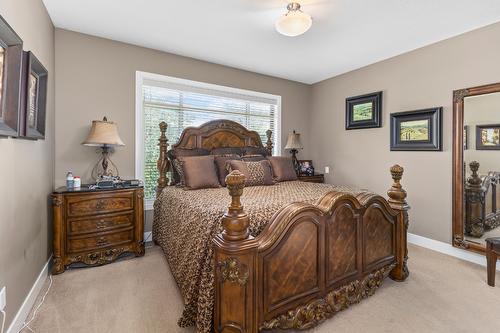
{"points": [[316, 178]]}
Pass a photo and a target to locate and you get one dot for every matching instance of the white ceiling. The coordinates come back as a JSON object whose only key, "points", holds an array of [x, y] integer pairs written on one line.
{"points": [[346, 34]]}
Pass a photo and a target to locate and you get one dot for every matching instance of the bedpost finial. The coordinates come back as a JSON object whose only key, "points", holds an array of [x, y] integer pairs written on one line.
{"points": [[474, 167], [235, 182], [474, 180], [235, 221], [269, 143], [397, 172], [396, 193], [163, 127]]}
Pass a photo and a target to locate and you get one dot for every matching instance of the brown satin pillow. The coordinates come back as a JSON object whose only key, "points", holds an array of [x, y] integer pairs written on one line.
{"points": [[199, 172], [282, 168], [256, 173], [220, 162], [183, 152]]}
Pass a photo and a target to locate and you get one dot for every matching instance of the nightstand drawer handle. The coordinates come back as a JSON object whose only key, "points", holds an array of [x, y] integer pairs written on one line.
{"points": [[103, 224], [100, 204], [102, 241]]}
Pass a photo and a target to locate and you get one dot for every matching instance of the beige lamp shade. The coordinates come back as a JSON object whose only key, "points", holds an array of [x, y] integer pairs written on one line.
{"points": [[103, 133], [293, 141]]}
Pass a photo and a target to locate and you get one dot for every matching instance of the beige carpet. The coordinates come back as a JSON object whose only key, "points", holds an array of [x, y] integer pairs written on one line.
{"points": [[443, 294]]}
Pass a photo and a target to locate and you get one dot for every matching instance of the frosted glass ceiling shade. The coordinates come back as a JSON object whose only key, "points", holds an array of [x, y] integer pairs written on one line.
{"points": [[295, 22]]}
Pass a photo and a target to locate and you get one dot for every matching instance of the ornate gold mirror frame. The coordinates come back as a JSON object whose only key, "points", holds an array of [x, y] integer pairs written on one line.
{"points": [[458, 162]]}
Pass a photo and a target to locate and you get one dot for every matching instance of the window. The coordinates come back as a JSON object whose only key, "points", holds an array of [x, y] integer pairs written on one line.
{"points": [[182, 103]]}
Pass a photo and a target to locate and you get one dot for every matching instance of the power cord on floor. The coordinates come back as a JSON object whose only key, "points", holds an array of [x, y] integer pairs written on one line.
{"points": [[147, 239], [3, 320], [26, 324]]}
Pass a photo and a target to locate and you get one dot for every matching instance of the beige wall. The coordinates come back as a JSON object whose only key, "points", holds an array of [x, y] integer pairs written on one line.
{"points": [[419, 79], [26, 170], [96, 77], [481, 110]]}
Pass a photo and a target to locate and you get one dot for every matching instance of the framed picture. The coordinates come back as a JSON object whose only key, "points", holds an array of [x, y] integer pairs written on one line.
{"points": [[363, 111], [306, 168], [11, 53], [34, 102], [418, 130], [488, 137], [466, 137]]}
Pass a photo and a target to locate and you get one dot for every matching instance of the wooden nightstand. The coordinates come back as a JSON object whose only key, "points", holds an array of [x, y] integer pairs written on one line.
{"points": [[94, 227], [316, 178]]}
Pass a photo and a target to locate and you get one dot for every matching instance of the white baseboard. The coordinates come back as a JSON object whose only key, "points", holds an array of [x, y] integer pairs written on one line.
{"points": [[29, 301], [148, 236], [448, 249]]}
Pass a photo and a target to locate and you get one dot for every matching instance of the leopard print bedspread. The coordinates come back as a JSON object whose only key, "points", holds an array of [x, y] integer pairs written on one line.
{"points": [[185, 222]]}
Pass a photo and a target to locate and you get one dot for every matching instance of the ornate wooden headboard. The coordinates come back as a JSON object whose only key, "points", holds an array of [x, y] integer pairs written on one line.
{"points": [[213, 134], [218, 134]]}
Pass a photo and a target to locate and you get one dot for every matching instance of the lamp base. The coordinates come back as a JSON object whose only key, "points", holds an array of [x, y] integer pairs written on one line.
{"points": [[105, 168], [296, 164]]}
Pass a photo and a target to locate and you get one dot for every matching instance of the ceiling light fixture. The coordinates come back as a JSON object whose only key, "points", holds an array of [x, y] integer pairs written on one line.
{"points": [[295, 22]]}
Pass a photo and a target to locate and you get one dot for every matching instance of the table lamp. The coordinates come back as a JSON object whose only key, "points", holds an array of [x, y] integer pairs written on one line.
{"points": [[293, 144], [104, 134]]}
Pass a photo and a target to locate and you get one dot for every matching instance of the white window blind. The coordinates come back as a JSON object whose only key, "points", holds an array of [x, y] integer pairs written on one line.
{"points": [[183, 105]]}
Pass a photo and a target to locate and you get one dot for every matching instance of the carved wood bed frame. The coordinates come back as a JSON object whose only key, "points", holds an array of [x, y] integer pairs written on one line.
{"points": [[311, 261]]}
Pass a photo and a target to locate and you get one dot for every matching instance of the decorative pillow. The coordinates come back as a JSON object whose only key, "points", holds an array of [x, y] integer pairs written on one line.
{"points": [[256, 173], [226, 151], [253, 158], [199, 172], [282, 168], [220, 162], [250, 150], [173, 154], [180, 172]]}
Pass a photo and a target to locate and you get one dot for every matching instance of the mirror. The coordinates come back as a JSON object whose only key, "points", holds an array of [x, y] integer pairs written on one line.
{"points": [[476, 166]]}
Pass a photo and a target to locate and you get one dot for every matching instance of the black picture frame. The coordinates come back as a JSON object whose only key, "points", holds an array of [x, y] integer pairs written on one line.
{"points": [[375, 119], [34, 108], [11, 55], [306, 168], [434, 140], [495, 144]]}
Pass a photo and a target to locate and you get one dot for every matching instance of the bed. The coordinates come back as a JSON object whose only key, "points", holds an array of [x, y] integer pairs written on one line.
{"points": [[284, 256]]}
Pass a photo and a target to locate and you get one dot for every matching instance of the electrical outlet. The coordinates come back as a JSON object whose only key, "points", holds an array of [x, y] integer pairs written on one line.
{"points": [[3, 300], [327, 169]]}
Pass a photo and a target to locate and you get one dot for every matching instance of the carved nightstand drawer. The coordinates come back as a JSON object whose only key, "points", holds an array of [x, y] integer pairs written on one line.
{"points": [[100, 241], [99, 204], [99, 223]]}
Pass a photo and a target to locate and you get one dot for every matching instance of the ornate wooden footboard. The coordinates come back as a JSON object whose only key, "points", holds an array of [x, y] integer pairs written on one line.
{"points": [[310, 262]]}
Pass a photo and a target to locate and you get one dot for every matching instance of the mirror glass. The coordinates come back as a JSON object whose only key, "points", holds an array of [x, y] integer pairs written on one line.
{"points": [[481, 167]]}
